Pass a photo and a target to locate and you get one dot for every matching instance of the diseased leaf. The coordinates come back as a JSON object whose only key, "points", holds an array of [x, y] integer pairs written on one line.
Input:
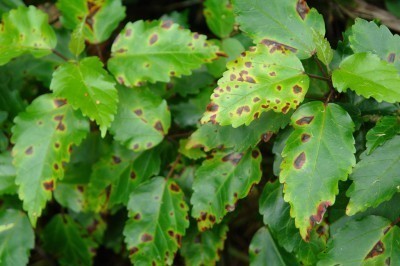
{"points": [[88, 87], [99, 18], [323, 48], [203, 248], [7, 175], [191, 153], [369, 37], [220, 182], [43, 136], [318, 154], [16, 238], [155, 51], [158, 218], [281, 23], [376, 177], [142, 119], [63, 237], [358, 242], [219, 17], [368, 76], [25, 30], [386, 128], [262, 79], [211, 136], [263, 250], [70, 196]]}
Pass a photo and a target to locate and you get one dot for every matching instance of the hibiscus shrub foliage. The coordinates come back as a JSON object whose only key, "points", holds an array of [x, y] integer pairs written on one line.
{"points": [[147, 143]]}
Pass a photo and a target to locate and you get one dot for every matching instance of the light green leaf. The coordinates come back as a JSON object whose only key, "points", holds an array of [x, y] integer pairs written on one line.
{"points": [[100, 18], [16, 238], [368, 76], [263, 250], [261, 79], [25, 30], [117, 174], [77, 42], [386, 128], [323, 48], [285, 24], [369, 37], [7, 175], [70, 196], [211, 136], [88, 87], [191, 153], [43, 136], [63, 237], [219, 17], [142, 119], [203, 248], [376, 177], [158, 218], [356, 242], [220, 182], [318, 154], [155, 51]]}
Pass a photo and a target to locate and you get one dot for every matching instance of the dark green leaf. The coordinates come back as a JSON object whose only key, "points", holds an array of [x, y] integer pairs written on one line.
{"points": [[7, 174], [386, 128]]}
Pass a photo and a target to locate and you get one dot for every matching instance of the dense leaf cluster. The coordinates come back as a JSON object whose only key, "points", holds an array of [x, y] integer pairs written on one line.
{"points": [[141, 138]]}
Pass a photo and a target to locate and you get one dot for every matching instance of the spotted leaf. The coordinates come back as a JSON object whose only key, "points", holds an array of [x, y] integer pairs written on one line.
{"points": [[142, 119], [16, 237], [386, 128], [25, 30], [88, 87], [219, 17], [43, 137], [368, 76], [318, 154], [370, 241], [220, 182], [155, 51], [264, 78], [99, 18], [376, 177], [158, 218], [281, 23]]}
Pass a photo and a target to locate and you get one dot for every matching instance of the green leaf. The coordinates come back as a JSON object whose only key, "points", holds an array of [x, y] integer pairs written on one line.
{"points": [[288, 24], [203, 248], [100, 18], [323, 48], [77, 42], [117, 174], [219, 17], [261, 79], [142, 119], [211, 136], [70, 196], [16, 238], [386, 128], [376, 177], [155, 51], [7, 5], [368, 76], [318, 154], [357, 242], [279, 145], [88, 87], [220, 182], [7, 175], [43, 136], [63, 237], [369, 37], [158, 218], [191, 153], [25, 30], [393, 6], [263, 250]]}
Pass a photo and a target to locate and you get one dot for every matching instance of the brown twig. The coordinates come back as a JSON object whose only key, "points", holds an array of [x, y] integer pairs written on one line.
{"points": [[60, 55], [318, 77], [173, 166]]}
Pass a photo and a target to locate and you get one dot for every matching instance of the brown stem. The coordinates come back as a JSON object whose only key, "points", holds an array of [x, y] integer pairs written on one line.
{"points": [[318, 77], [60, 55], [321, 68], [173, 166]]}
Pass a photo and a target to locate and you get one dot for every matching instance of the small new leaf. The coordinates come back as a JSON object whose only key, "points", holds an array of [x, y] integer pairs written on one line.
{"points": [[386, 128], [323, 48], [219, 17]]}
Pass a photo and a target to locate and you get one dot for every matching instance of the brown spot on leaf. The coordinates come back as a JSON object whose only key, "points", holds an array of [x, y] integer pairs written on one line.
{"points": [[256, 115], [229, 208], [174, 187], [299, 161], [232, 77], [305, 137], [272, 74], [317, 218], [277, 101], [265, 106], [377, 250], [297, 89], [256, 99], [211, 218], [255, 154], [146, 238], [305, 120], [266, 136], [57, 145], [29, 150], [133, 175], [216, 95], [213, 119], [159, 127], [153, 39], [279, 87], [242, 109], [116, 159], [391, 57], [285, 109], [137, 216], [121, 80], [212, 107], [171, 233], [133, 250], [128, 32], [167, 24], [234, 158], [136, 146], [138, 112], [250, 79], [149, 144], [302, 8], [248, 64], [60, 102], [48, 185], [56, 167], [196, 35], [203, 216], [277, 46], [178, 238]]}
